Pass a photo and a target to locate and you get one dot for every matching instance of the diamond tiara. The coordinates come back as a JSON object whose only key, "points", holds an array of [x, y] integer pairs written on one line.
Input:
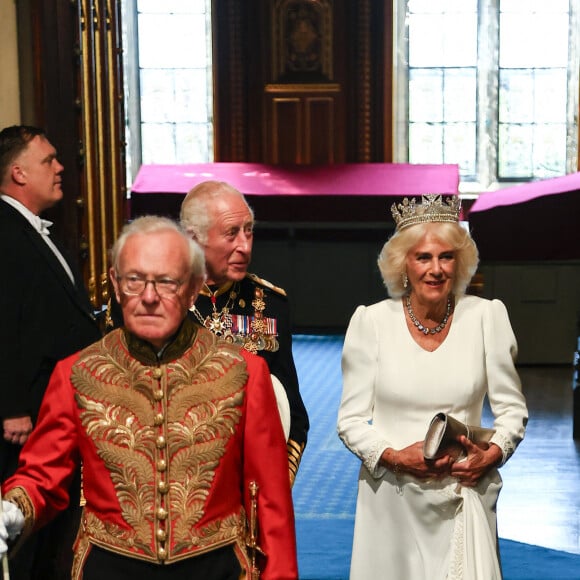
{"points": [[433, 209]]}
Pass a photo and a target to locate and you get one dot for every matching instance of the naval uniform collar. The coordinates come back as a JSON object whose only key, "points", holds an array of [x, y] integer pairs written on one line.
{"points": [[215, 289]]}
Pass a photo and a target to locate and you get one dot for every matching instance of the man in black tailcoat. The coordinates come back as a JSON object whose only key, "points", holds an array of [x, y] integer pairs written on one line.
{"points": [[46, 314]]}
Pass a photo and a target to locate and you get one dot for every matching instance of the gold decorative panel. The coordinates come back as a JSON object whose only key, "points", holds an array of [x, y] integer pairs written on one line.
{"points": [[302, 43], [101, 146]]}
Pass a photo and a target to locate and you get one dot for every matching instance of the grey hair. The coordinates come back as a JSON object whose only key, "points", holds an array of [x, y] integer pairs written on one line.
{"points": [[150, 224], [393, 256], [195, 209]]}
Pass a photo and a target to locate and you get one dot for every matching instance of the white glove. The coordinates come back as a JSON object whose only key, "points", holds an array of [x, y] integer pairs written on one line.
{"points": [[11, 524]]}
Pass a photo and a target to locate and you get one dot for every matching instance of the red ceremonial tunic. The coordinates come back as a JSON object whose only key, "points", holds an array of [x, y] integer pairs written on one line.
{"points": [[169, 449]]}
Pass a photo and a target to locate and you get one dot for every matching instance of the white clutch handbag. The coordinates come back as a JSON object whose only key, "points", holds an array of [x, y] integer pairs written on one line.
{"points": [[441, 437]]}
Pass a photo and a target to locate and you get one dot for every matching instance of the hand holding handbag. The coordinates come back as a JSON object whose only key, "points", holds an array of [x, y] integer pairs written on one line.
{"points": [[441, 437]]}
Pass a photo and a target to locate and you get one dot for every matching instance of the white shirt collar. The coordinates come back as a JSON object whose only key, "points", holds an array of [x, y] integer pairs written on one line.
{"points": [[39, 224]]}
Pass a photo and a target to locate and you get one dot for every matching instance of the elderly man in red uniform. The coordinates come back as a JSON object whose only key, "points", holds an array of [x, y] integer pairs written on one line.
{"points": [[177, 431]]}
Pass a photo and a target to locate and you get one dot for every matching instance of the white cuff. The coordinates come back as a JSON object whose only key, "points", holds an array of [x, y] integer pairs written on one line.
{"points": [[283, 405]]}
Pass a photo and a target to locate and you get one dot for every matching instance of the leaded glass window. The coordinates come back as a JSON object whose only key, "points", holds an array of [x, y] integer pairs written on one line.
{"points": [[490, 85], [168, 74]]}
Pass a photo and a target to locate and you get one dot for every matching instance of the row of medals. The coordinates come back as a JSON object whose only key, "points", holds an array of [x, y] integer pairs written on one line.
{"points": [[220, 323]]}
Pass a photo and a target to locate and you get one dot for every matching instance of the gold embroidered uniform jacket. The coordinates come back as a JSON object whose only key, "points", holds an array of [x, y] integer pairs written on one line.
{"points": [[168, 447], [273, 342]]}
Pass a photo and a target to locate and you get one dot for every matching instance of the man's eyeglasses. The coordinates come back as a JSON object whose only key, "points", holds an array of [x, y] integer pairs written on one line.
{"points": [[134, 285]]}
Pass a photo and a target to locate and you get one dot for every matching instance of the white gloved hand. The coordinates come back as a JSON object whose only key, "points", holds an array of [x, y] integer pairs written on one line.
{"points": [[11, 524]]}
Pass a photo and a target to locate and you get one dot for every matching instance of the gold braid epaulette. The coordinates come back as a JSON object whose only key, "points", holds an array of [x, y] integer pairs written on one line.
{"points": [[109, 324], [295, 451], [266, 284]]}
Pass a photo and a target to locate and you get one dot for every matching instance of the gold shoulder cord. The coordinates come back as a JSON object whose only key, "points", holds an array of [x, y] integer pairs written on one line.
{"points": [[294, 457], [109, 324], [265, 283]]}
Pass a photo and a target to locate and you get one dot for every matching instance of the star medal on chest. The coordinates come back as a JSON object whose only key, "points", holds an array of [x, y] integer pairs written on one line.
{"points": [[220, 321]]}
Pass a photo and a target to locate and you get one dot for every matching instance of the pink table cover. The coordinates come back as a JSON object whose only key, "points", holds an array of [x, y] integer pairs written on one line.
{"points": [[530, 222], [526, 192], [344, 179]]}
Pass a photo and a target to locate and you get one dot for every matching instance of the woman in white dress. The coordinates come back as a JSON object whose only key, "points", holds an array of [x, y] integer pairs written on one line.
{"points": [[428, 349]]}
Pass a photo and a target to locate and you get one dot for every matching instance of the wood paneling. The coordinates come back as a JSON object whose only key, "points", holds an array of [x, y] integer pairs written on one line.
{"points": [[321, 146], [325, 57], [301, 124], [285, 130]]}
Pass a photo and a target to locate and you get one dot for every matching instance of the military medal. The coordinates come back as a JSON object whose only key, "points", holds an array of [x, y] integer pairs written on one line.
{"points": [[252, 332]]}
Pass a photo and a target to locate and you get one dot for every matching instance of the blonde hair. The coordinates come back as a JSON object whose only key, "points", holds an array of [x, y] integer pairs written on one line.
{"points": [[393, 256]]}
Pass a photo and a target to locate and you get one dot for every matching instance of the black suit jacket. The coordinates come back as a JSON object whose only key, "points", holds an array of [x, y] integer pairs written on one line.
{"points": [[44, 317]]}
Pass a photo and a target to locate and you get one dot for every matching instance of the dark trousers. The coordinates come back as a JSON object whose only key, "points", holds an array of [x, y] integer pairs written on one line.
{"points": [[220, 564], [47, 554]]}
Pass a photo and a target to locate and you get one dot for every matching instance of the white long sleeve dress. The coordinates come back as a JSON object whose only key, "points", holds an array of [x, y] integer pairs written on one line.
{"points": [[407, 529]]}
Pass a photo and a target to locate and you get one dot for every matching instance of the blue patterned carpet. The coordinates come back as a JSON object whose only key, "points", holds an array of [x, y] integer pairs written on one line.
{"points": [[325, 488]]}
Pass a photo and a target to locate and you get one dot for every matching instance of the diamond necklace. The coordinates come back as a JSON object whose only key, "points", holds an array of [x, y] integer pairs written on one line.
{"points": [[422, 328]]}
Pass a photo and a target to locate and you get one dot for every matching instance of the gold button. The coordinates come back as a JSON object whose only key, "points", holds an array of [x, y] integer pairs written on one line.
{"points": [[162, 554], [162, 487], [157, 373], [161, 535], [161, 514], [161, 465], [160, 441], [158, 419], [158, 395]]}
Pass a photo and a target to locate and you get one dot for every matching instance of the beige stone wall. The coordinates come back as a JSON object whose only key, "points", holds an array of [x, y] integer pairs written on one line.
{"points": [[9, 83]]}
